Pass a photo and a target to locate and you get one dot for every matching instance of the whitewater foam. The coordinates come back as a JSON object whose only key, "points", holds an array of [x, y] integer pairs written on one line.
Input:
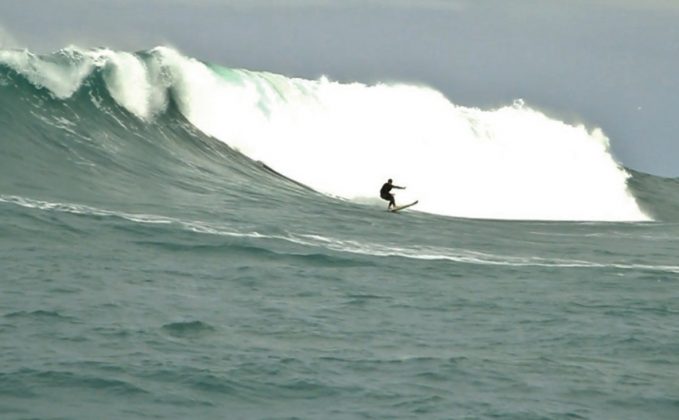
{"points": [[62, 73], [345, 140], [129, 82]]}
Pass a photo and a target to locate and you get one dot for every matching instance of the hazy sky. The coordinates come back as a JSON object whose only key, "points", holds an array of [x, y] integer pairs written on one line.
{"points": [[608, 63]]}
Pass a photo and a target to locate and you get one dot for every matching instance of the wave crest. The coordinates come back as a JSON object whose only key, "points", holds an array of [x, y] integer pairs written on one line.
{"points": [[345, 140]]}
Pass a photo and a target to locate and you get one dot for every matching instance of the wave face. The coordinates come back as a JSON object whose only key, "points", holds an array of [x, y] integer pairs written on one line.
{"points": [[135, 126]]}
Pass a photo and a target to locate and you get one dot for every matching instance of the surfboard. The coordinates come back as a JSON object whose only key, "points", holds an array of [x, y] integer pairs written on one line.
{"points": [[405, 206]]}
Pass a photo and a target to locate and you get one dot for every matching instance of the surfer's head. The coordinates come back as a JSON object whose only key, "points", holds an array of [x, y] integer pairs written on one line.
{"points": [[389, 181]]}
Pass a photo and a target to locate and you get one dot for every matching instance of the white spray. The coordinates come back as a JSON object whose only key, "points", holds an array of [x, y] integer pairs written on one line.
{"points": [[345, 140]]}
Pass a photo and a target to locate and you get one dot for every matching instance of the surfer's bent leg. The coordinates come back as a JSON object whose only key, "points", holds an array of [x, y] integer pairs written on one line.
{"points": [[389, 198]]}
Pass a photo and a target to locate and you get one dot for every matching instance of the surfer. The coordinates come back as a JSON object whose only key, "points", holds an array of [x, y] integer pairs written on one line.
{"points": [[387, 195]]}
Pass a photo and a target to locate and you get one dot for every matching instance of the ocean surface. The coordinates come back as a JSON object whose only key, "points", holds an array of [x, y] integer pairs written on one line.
{"points": [[182, 240]]}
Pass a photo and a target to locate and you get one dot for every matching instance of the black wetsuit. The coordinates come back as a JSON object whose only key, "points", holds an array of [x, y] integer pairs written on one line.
{"points": [[386, 194]]}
